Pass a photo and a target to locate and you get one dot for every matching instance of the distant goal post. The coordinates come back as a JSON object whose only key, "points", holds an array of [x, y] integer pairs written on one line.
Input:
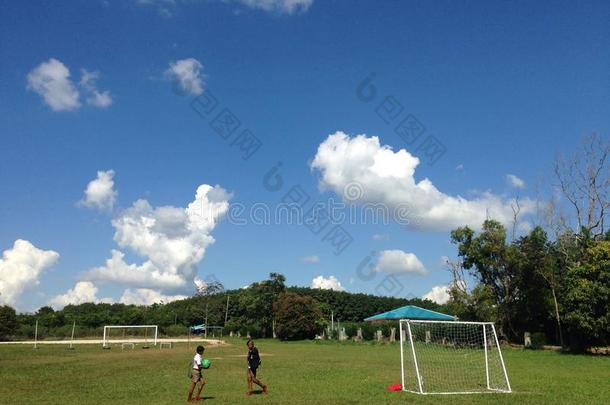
{"points": [[108, 328], [451, 357]]}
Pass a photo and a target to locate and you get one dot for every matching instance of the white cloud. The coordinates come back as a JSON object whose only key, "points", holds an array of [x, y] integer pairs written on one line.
{"points": [[88, 82], [146, 296], [397, 261], [166, 7], [20, 268], [381, 236], [459, 167], [388, 177], [330, 283], [51, 80], [438, 294], [187, 73], [515, 181], [172, 241], [310, 259], [100, 193], [279, 6], [83, 291]]}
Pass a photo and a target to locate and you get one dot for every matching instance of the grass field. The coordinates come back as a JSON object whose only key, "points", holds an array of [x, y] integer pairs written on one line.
{"points": [[297, 373]]}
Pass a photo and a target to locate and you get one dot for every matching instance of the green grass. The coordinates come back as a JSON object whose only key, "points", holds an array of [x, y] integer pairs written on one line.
{"points": [[297, 373]]}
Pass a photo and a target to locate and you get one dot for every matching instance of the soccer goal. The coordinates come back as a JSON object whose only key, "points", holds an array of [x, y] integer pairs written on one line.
{"points": [[130, 334], [451, 357]]}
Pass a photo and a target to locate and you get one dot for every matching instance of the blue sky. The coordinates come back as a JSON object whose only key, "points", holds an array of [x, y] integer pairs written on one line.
{"points": [[502, 86]]}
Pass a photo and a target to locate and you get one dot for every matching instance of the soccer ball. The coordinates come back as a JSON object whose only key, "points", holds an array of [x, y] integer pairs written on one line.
{"points": [[206, 363]]}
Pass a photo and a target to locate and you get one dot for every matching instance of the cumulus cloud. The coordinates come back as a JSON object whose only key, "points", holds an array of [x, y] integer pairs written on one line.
{"points": [[51, 80], [187, 74], [83, 291], [438, 294], [172, 240], [279, 6], [515, 181], [100, 193], [96, 98], [387, 177], [310, 259], [146, 296], [397, 261], [330, 283], [20, 269]]}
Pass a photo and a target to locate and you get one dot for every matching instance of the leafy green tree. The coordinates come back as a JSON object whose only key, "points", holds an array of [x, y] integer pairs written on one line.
{"points": [[477, 305], [297, 317], [587, 294], [494, 264], [534, 279], [8, 322]]}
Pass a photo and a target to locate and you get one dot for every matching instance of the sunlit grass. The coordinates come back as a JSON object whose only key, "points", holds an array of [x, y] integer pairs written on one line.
{"points": [[297, 373]]}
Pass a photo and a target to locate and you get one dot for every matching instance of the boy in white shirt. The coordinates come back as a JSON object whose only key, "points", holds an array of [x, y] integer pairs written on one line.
{"points": [[196, 376]]}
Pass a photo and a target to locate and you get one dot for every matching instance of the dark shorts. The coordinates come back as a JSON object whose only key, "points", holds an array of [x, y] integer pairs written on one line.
{"points": [[252, 370]]}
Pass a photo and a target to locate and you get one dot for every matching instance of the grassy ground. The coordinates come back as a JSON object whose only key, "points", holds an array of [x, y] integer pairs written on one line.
{"points": [[297, 373]]}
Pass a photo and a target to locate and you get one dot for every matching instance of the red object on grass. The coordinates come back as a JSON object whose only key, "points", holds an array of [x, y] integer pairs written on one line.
{"points": [[394, 387]]}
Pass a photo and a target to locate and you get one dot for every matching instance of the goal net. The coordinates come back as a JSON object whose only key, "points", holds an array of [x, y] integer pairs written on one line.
{"points": [[145, 334], [451, 357]]}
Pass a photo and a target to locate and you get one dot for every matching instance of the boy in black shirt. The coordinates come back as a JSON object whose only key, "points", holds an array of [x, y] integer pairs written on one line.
{"points": [[254, 360]]}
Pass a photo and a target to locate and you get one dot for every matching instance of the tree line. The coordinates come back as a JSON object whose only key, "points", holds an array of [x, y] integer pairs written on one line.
{"points": [[256, 310]]}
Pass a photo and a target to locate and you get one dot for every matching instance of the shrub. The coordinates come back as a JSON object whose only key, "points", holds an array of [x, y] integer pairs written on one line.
{"points": [[351, 329], [538, 340], [368, 330], [175, 330]]}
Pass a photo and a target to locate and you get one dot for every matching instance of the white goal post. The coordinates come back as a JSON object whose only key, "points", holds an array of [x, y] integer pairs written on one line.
{"points": [[451, 357], [108, 328]]}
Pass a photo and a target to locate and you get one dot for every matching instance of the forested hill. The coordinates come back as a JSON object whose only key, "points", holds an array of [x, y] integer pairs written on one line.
{"points": [[355, 307], [249, 310]]}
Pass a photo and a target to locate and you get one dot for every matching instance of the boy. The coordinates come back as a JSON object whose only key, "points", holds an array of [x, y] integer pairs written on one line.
{"points": [[254, 360], [196, 376]]}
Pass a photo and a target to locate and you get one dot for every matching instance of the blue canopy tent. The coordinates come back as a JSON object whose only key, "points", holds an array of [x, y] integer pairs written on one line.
{"points": [[199, 329], [410, 312]]}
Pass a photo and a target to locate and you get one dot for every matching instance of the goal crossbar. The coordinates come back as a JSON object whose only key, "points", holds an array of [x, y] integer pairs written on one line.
{"points": [[108, 327], [451, 357]]}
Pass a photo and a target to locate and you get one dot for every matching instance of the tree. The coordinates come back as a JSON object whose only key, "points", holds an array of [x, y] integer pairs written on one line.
{"points": [[297, 316], [8, 322], [478, 305], [587, 293], [493, 263], [584, 180], [212, 287], [536, 277]]}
